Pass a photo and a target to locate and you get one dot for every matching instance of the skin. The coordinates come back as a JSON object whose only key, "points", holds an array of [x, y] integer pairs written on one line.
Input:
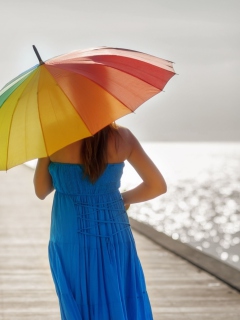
{"points": [[121, 146]]}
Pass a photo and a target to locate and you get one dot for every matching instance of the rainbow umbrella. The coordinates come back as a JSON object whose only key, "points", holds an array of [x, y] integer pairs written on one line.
{"points": [[73, 96]]}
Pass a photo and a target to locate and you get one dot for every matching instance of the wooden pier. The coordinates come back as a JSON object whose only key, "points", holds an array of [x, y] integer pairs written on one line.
{"points": [[177, 289]]}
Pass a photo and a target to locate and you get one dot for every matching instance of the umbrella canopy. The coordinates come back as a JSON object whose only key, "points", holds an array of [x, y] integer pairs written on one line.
{"points": [[71, 97]]}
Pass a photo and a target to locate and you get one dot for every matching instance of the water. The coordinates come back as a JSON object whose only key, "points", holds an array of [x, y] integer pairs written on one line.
{"points": [[202, 205]]}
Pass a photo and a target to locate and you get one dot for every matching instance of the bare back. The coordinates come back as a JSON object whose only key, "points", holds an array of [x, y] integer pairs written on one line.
{"points": [[118, 150]]}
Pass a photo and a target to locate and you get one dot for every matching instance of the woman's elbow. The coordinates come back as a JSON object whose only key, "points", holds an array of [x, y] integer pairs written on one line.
{"points": [[41, 194], [41, 197], [162, 188]]}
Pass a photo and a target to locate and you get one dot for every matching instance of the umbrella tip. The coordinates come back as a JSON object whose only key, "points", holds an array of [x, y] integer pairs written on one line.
{"points": [[38, 55]]}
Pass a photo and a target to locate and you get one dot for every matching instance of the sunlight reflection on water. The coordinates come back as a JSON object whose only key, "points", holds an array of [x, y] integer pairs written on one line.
{"points": [[202, 205]]}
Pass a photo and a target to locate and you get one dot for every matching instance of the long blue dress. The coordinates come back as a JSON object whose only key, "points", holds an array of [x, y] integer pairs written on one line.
{"points": [[92, 253]]}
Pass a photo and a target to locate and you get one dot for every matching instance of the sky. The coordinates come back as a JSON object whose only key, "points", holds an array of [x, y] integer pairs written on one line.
{"points": [[202, 38]]}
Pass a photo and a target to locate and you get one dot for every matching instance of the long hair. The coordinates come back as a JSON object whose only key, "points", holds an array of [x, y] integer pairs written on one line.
{"points": [[94, 152]]}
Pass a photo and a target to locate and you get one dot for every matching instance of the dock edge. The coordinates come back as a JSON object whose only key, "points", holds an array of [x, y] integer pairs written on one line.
{"points": [[212, 265]]}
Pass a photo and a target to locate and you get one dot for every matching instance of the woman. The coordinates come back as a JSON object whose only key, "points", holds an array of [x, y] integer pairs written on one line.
{"points": [[92, 253]]}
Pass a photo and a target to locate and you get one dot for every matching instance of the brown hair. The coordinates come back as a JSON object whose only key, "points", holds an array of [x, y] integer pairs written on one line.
{"points": [[94, 152]]}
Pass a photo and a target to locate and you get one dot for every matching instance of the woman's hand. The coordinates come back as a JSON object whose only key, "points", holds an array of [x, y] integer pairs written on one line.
{"points": [[127, 206]]}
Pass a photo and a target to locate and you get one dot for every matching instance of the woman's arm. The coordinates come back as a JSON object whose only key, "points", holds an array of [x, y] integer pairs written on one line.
{"points": [[153, 183], [42, 179]]}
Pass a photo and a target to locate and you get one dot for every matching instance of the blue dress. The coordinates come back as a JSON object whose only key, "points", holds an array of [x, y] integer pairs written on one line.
{"points": [[92, 253]]}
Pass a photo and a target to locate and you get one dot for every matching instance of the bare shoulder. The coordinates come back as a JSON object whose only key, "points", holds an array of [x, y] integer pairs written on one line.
{"points": [[138, 158], [123, 131], [120, 144], [127, 136]]}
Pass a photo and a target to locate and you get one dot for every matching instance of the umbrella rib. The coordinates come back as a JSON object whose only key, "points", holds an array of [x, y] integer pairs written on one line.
{"points": [[73, 106], [9, 135], [54, 112], [25, 122], [127, 72], [104, 88], [40, 121], [12, 121], [41, 127], [116, 68], [68, 100], [52, 108], [10, 129]]}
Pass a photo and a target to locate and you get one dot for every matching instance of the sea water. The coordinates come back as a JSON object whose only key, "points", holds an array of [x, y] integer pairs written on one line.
{"points": [[202, 204]]}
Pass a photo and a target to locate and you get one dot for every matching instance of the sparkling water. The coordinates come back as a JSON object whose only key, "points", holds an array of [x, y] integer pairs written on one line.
{"points": [[202, 204]]}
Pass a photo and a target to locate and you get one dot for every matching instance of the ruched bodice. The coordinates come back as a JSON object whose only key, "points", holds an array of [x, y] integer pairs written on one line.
{"points": [[69, 179], [92, 253]]}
